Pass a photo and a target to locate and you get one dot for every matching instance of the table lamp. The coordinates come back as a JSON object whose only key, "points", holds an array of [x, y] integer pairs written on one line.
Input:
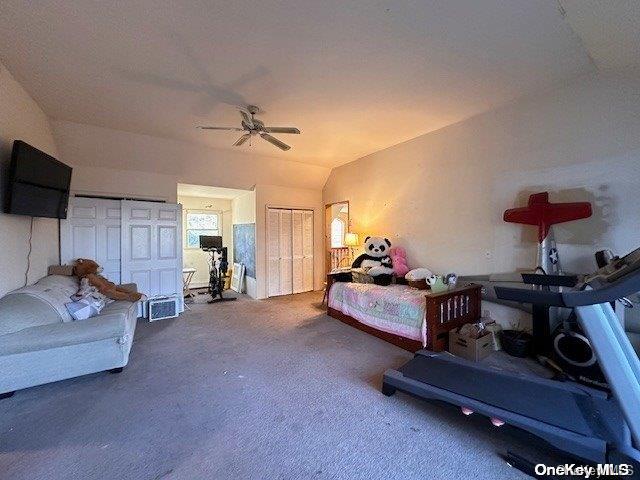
{"points": [[351, 240]]}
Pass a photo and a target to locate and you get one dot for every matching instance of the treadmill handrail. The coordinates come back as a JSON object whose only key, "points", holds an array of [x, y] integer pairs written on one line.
{"points": [[525, 295], [546, 280], [601, 292]]}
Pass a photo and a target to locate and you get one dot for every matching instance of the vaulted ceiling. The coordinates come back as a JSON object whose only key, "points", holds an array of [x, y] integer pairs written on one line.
{"points": [[355, 76]]}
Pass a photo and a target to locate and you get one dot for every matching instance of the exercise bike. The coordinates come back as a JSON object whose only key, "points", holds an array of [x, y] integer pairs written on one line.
{"points": [[585, 422], [218, 269]]}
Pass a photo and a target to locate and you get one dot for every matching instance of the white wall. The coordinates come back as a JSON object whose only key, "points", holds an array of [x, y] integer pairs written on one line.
{"points": [[196, 258], [171, 162], [22, 119], [442, 195], [283, 197], [112, 162], [243, 210], [118, 183]]}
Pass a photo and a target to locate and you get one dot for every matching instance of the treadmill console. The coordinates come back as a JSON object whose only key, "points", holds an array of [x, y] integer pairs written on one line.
{"points": [[615, 270]]}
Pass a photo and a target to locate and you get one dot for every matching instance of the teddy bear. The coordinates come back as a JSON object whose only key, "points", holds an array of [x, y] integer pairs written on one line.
{"points": [[376, 260], [88, 269]]}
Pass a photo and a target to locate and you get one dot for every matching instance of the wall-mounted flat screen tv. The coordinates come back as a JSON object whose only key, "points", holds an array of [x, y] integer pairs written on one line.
{"points": [[38, 183]]}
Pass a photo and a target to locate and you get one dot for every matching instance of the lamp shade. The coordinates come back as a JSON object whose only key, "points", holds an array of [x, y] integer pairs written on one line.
{"points": [[351, 239]]}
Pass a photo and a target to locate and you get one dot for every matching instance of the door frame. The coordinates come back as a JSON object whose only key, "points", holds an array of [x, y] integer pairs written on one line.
{"points": [[327, 233], [266, 236]]}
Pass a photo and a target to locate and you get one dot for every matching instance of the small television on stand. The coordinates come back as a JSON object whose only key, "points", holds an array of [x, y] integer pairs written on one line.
{"points": [[38, 183]]}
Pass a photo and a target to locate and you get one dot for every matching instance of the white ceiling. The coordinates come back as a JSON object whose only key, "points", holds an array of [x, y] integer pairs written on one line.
{"points": [[204, 191], [355, 76], [610, 30]]}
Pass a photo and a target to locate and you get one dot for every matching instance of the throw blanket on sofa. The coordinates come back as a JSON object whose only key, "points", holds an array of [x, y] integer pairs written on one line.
{"points": [[396, 309], [87, 301], [54, 290]]}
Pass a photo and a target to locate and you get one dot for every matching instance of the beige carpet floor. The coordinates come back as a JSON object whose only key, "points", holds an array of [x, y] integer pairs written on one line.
{"points": [[271, 389]]}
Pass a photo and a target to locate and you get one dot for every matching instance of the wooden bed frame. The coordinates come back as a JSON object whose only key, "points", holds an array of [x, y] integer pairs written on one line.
{"points": [[445, 311]]}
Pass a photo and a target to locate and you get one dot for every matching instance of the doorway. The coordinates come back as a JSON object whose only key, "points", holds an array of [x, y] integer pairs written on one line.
{"points": [[215, 211], [337, 226]]}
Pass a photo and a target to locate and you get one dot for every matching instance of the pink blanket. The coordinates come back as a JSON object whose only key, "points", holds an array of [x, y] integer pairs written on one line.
{"points": [[396, 309]]}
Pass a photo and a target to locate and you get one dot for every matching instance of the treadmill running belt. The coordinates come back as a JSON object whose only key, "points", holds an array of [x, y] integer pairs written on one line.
{"points": [[508, 391]]}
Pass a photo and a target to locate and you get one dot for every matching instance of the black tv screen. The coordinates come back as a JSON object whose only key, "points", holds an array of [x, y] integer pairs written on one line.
{"points": [[38, 183]]}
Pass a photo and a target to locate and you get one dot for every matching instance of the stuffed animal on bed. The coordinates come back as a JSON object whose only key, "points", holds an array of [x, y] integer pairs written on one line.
{"points": [[89, 269], [399, 258], [375, 260]]}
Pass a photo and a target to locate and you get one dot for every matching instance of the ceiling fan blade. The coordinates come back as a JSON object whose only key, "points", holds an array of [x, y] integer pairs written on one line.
{"points": [[246, 118], [275, 141], [242, 139], [281, 130], [235, 129]]}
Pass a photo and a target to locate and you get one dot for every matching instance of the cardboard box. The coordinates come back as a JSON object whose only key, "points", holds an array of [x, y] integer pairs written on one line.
{"points": [[470, 348]]}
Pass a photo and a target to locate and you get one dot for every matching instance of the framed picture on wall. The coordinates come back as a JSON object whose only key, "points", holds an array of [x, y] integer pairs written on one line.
{"points": [[237, 279]]}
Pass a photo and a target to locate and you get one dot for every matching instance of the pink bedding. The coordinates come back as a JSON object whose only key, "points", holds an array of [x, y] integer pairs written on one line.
{"points": [[396, 309]]}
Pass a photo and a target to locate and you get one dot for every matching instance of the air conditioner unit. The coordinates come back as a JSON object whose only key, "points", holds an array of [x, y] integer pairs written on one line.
{"points": [[160, 308]]}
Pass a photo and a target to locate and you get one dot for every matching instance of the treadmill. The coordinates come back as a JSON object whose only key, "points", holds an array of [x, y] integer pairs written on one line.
{"points": [[591, 424]]}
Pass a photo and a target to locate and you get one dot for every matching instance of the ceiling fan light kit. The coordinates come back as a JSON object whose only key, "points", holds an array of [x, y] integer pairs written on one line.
{"points": [[252, 126]]}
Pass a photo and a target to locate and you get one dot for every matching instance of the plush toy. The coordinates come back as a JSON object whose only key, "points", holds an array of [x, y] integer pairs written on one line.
{"points": [[89, 269], [436, 283], [399, 258], [376, 260], [418, 274]]}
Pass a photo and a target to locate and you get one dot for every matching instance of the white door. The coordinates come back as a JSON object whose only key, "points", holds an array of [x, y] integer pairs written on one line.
{"points": [[307, 250], [92, 230], [152, 247], [297, 236], [286, 257], [289, 251], [273, 252]]}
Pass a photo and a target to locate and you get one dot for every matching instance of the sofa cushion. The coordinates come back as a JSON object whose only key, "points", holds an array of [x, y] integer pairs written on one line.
{"points": [[23, 311], [55, 335]]}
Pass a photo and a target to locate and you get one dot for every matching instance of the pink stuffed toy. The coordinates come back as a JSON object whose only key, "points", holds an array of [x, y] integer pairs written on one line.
{"points": [[399, 258]]}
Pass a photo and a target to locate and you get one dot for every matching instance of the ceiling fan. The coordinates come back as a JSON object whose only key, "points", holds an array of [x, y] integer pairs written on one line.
{"points": [[252, 126]]}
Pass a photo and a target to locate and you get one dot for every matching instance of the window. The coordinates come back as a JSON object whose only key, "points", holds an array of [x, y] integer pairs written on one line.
{"points": [[337, 233], [201, 222]]}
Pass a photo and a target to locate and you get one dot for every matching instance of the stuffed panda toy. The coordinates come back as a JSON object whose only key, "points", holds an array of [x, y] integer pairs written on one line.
{"points": [[376, 260]]}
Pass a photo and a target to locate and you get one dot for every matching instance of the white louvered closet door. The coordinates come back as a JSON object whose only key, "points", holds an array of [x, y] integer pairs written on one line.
{"points": [[286, 249], [307, 250], [298, 251], [289, 251], [273, 251]]}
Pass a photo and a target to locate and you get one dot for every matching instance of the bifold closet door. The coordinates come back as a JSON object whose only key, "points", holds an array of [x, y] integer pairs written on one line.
{"points": [[286, 252], [92, 230], [152, 247], [307, 250], [302, 240], [273, 252], [289, 251], [279, 251]]}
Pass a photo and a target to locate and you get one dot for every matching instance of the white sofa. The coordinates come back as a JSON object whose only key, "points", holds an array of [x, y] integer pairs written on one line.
{"points": [[40, 342]]}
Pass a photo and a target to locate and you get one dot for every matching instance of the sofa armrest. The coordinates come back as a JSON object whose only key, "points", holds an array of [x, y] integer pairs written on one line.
{"points": [[56, 335]]}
